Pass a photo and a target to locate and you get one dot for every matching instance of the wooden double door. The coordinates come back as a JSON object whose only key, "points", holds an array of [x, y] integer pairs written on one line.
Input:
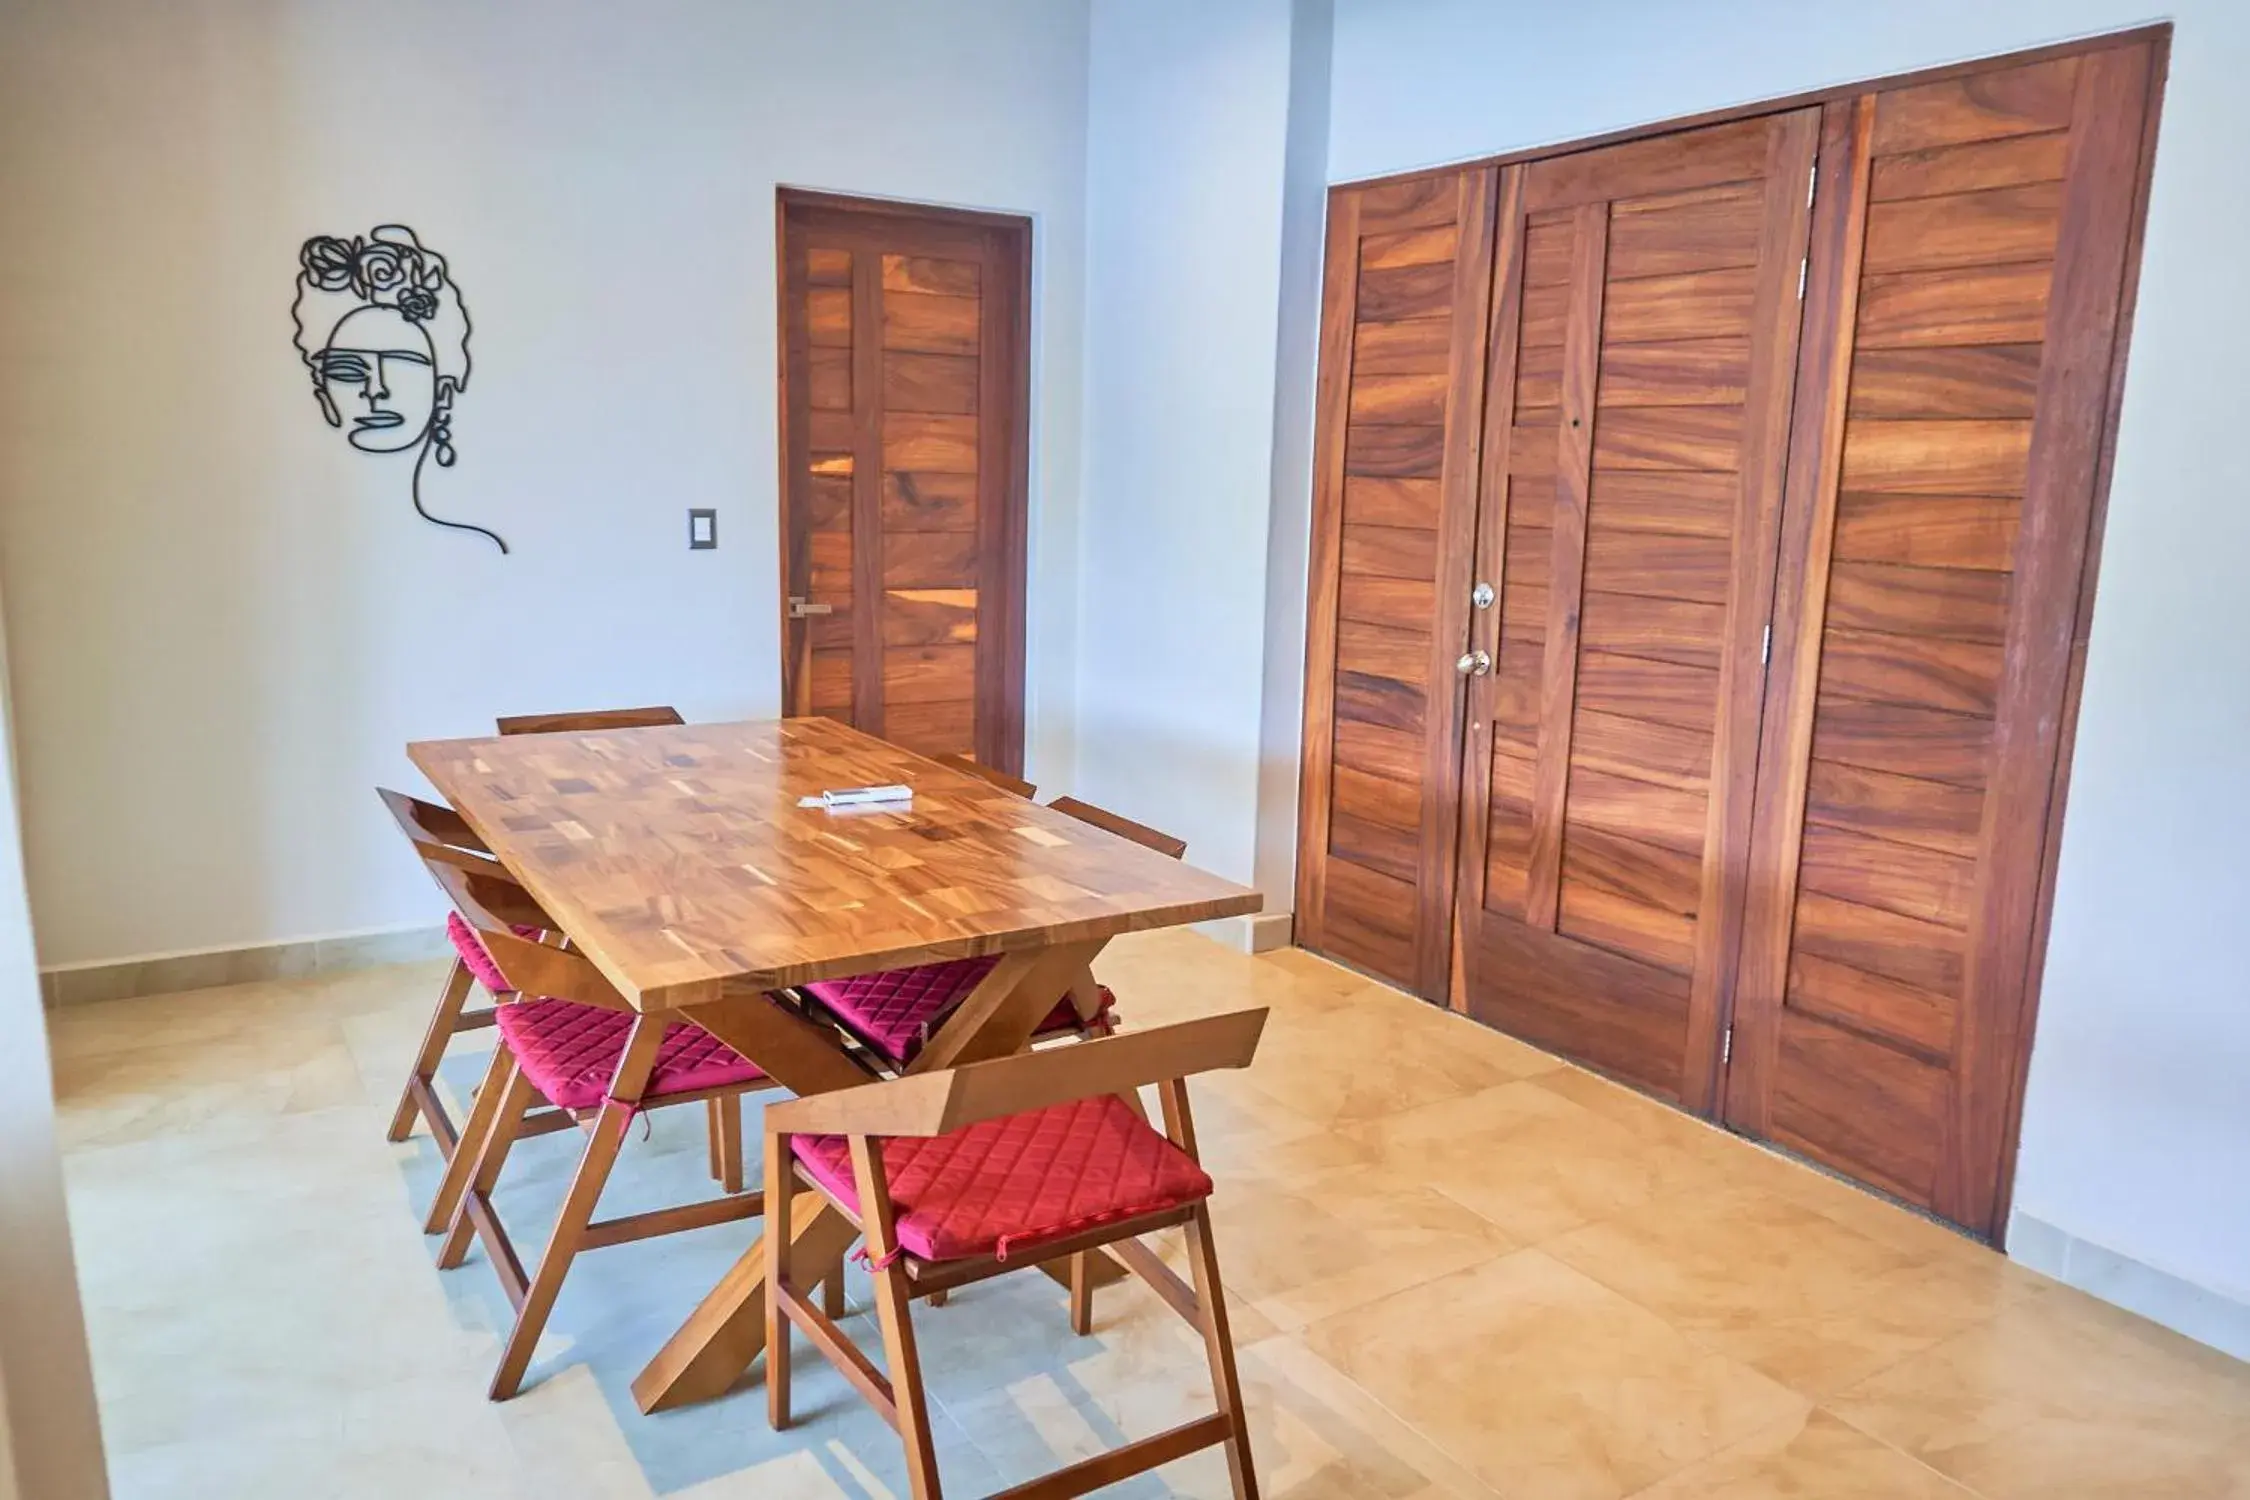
{"points": [[904, 356], [1702, 564]]}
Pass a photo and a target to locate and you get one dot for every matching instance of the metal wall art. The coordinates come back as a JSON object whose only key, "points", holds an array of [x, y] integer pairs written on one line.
{"points": [[384, 333]]}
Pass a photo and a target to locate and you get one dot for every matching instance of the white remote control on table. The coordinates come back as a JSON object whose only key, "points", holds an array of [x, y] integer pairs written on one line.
{"points": [[859, 796]]}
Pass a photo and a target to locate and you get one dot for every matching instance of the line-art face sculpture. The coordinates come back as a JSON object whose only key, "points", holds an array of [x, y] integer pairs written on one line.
{"points": [[383, 331]]}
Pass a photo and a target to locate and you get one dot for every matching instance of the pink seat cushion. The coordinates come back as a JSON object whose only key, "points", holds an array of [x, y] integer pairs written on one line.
{"points": [[1018, 1180], [895, 1011], [478, 957], [570, 1051]]}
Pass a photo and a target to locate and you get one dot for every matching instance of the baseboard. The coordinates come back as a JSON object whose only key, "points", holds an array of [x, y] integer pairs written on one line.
{"points": [[1257, 932], [164, 974], [2180, 1305]]}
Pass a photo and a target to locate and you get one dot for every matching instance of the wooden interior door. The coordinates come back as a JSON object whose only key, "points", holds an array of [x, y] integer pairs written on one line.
{"points": [[905, 346], [1971, 271], [1408, 283], [1643, 349]]}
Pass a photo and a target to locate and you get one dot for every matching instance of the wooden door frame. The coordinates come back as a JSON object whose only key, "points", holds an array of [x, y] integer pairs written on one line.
{"points": [[1004, 426], [2071, 616]]}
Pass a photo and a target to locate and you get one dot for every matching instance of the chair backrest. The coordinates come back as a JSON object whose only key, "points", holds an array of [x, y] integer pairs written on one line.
{"points": [[496, 907], [969, 765], [654, 717], [950, 1099], [437, 832], [1124, 827]]}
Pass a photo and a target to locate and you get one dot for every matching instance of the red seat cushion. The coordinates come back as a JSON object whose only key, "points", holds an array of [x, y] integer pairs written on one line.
{"points": [[477, 956], [1018, 1180], [895, 1011], [570, 1051]]}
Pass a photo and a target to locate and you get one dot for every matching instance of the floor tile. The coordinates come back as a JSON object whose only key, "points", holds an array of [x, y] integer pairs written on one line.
{"points": [[1814, 1457], [1546, 1384]]}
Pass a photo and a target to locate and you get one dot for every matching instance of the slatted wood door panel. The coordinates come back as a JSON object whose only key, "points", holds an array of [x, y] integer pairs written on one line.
{"points": [[1642, 355], [1969, 271], [1401, 385], [904, 352]]}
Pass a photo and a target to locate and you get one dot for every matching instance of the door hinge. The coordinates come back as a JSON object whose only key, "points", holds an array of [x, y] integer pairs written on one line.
{"points": [[1726, 1048], [1801, 277], [1812, 183], [1765, 649]]}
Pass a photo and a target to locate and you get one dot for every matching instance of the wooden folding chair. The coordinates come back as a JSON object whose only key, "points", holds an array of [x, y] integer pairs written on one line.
{"points": [[439, 834], [893, 1013], [917, 1163], [583, 1047], [954, 760], [654, 717]]}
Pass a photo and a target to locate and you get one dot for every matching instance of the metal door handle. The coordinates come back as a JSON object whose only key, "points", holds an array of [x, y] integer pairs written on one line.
{"points": [[798, 608], [1475, 664]]}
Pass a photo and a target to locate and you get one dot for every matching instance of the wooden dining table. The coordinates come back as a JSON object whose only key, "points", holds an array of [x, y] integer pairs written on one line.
{"points": [[684, 864]]}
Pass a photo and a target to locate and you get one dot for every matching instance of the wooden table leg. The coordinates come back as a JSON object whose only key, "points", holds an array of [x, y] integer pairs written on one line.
{"points": [[728, 1330]]}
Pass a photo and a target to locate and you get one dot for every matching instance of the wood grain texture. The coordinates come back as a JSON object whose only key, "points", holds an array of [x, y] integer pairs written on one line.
{"points": [[1982, 106], [1566, 576], [592, 826], [1682, 504], [2109, 157], [1684, 372], [1997, 380], [1332, 692], [1921, 309], [1991, 227], [1964, 169]]}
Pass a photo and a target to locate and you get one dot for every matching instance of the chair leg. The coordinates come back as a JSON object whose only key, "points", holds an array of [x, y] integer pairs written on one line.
{"points": [[451, 999], [1081, 1295], [474, 1130], [711, 1144], [562, 1247], [578, 1206], [779, 1189], [1218, 1348], [726, 1119], [893, 1296], [512, 1094]]}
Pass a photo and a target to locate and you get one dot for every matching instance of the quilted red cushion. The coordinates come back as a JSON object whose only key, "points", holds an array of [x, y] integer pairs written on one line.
{"points": [[570, 1053], [478, 957], [1018, 1180], [895, 1011]]}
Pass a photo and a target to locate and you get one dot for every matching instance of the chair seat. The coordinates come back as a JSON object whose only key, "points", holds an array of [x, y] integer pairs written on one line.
{"points": [[895, 1010], [1019, 1180], [570, 1051], [479, 958]]}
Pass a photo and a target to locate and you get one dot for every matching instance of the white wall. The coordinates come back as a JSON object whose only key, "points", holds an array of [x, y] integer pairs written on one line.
{"points": [[1189, 152], [227, 623], [2137, 1122], [50, 1433]]}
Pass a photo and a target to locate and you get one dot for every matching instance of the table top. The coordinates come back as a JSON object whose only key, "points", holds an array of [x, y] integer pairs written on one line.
{"points": [[678, 860]]}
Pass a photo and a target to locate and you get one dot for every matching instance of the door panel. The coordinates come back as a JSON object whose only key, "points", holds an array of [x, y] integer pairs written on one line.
{"points": [[1639, 404], [1973, 238], [904, 351], [1401, 388]]}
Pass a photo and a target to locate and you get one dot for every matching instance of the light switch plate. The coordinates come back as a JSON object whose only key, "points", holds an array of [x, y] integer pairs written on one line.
{"points": [[702, 530]]}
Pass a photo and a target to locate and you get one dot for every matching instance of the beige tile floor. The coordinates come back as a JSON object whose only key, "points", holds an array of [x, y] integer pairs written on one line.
{"points": [[1460, 1268]]}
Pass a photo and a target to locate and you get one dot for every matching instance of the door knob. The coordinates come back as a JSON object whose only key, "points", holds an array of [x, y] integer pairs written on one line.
{"points": [[1474, 664], [799, 609], [1482, 596]]}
